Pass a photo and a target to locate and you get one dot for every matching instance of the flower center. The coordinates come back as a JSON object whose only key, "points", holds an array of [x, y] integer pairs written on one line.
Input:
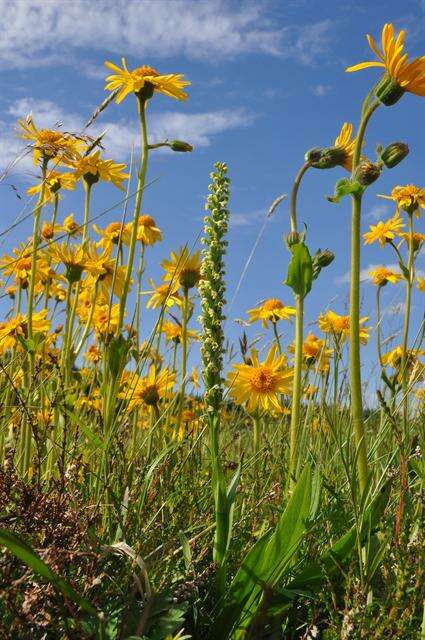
{"points": [[150, 395], [263, 379], [146, 221], [272, 304], [145, 70]]}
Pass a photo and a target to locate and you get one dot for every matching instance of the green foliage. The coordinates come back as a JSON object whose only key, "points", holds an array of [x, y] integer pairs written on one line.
{"points": [[300, 270]]}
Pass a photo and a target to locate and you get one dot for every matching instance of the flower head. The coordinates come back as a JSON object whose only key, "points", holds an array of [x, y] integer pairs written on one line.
{"points": [[259, 384], [346, 143], [381, 275], [93, 168], [400, 75], [314, 351], [144, 81], [72, 256], [147, 231], [16, 327], [104, 272], [420, 283], [163, 295], [174, 331], [183, 268], [71, 227], [383, 231], [19, 265], [339, 326], [53, 183], [409, 198], [48, 143], [270, 310], [114, 233], [150, 389]]}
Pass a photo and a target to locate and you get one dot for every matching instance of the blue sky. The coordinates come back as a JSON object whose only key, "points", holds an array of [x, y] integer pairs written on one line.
{"points": [[268, 83]]}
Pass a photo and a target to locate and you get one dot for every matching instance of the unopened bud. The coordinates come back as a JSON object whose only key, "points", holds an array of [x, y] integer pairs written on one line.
{"points": [[388, 91], [181, 146], [329, 158], [324, 258], [292, 238], [394, 153], [313, 155], [367, 172]]}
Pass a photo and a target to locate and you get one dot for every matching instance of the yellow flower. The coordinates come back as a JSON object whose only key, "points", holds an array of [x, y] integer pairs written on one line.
{"points": [[105, 319], [19, 266], [420, 283], [103, 271], [383, 231], [174, 331], [381, 275], [346, 144], [147, 231], [149, 390], [163, 295], [72, 256], [414, 366], [418, 239], [112, 234], [18, 326], [70, 226], [93, 354], [194, 378], [92, 169], [314, 351], [48, 230], [258, 385], [53, 183], [271, 309], [144, 78], [339, 326], [48, 143], [409, 198], [405, 75], [183, 268]]}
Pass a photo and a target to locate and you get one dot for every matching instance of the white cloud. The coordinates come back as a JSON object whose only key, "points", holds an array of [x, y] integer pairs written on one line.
{"points": [[196, 128], [320, 90], [378, 212], [35, 32], [247, 219]]}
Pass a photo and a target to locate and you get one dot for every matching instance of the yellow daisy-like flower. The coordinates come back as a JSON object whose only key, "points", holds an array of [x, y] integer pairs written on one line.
{"points": [[53, 183], [381, 275], [73, 257], [144, 81], [401, 74], [93, 168], [174, 331], [183, 268], [112, 234], [71, 227], [420, 283], [105, 319], [147, 231], [259, 385], [383, 231], [19, 266], [418, 239], [270, 310], [409, 198], [93, 354], [103, 271], [314, 351], [394, 358], [346, 144], [18, 326], [339, 326], [150, 389], [163, 295], [48, 143], [48, 230]]}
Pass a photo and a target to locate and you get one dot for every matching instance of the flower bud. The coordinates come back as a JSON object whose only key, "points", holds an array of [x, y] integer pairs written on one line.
{"points": [[367, 172], [313, 155], [393, 154], [323, 258], [181, 146], [292, 238], [388, 91], [329, 158]]}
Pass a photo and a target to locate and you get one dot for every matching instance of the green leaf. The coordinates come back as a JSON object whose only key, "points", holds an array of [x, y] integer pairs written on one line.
{"points": [[265, 564], [344, 187], [26, 554], [300, 270]]}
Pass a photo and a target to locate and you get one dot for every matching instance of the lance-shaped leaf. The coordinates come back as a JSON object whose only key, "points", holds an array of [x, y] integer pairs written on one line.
{"points": [[300, 270]]}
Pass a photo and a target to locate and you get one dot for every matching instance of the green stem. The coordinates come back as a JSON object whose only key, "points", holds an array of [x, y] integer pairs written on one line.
{"points": [[355, 371], [276, 335], [139, 290], [141, 103], [299, 307], [404, 356], [185, 318]]}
